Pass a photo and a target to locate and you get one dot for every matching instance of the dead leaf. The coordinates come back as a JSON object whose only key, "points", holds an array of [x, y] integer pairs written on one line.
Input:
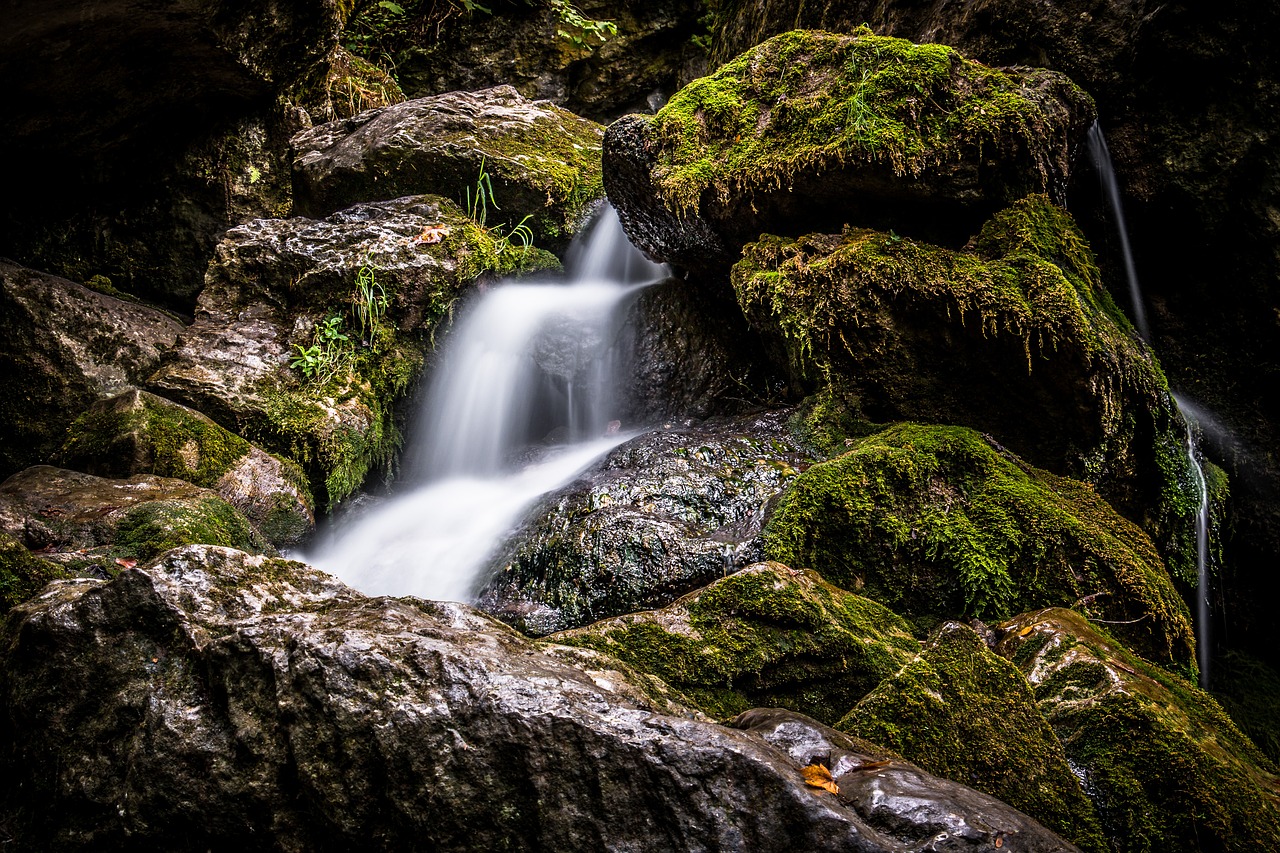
{"points": [[818, 776], [872, 765], [1026, 630], [432, 234], [128, 564]]}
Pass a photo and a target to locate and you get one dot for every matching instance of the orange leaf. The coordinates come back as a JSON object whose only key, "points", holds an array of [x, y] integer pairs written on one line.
{"points": [[128, 564], [432, 234], [872, 765], [818, 776], [1026, 630]]}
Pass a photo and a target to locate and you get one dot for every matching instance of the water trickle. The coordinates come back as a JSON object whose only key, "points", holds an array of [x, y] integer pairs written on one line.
{"points": [[1101, 157], [1202, 551], [527, 361]]}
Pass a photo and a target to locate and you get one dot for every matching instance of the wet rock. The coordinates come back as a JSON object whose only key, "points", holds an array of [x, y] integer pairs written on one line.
{"points": [[964, 713], [651, 56], [213, 699], [88, 523], [1014, 335], [542, 162], [765, 636], [140, 433], [812, 131], [278, 352], [66, 346], [1162, 762], [661, 515], [893, 796], [936, 523]]}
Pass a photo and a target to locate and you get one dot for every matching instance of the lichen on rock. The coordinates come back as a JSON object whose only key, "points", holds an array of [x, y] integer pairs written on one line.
{"points": [[766, 635], [937, 522]]}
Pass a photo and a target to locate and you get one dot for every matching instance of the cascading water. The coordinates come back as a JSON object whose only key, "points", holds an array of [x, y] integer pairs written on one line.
{"points": [[527, 361], [1202, 551], [1101, 157]]}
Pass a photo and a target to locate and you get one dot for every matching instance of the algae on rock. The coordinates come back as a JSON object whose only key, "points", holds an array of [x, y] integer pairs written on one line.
{"points": [[938, 523], [1165, 766], [965, 713], [22, 574], [766, 635]]}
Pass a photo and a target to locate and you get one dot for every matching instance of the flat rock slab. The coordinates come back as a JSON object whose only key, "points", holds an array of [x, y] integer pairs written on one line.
{"points": [[213, 699]]}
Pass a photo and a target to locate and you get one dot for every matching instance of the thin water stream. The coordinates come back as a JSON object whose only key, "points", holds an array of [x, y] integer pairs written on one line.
{"points": [[526, 361], [1101, 157]]}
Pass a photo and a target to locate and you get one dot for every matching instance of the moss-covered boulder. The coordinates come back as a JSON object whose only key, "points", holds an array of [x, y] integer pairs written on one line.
{"points": [[1164, 765], [811, 130], [308, 332], [64, 347], [140, 433], [661, 515], [22, 574], [88, 523], [528, 159], [766, 635], [937, 522], [1013, 335], [965, 713]]}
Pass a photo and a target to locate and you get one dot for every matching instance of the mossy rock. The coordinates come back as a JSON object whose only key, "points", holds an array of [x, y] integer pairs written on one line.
{"points": [[1249, 690], [812, 130], [1162, 762], [962, 712], [259, 361], [542, 163], [140, 433], [22, 574], [1014, 335], [764, 636], [937, 523], [93, 524]]}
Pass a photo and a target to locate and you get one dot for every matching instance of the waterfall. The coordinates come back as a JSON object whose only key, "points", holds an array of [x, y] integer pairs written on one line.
{"points": [[1101, 157], [527, 363], [1202, 550]]}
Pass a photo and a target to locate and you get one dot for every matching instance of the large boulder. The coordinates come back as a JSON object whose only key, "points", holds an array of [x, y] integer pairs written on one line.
{"points": [[293, 292], [659, 516], [765, 636], [937, 522], [217, 700], [811, 131], [139, 433], [66, 346], [1014, 335], [1162, 762], [965, 713], [94, 524], [538, 162]]}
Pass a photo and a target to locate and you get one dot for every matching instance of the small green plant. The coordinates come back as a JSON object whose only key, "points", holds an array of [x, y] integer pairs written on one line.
{"points": [[579, 30], [329, 350], [369, 301], [478, 206]]}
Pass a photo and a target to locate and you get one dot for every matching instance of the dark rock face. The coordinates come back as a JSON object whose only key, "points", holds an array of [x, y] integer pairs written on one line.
{"points": [[659, 516], [813, 131], [214, 699], [651, 56], [1162, 762], [543, 162], [66, 346]]}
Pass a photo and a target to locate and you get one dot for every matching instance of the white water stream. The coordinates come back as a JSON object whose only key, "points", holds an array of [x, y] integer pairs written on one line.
{"points": [[1101, 157], [526, 361]]}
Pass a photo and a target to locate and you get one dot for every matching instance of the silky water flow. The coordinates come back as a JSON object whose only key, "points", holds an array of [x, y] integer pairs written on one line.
{"points": [[525, 362]]}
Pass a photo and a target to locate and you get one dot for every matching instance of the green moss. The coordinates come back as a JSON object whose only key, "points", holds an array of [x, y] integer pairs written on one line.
{"points": [[22, 574], [1164, 765], [807, 100], [830, 421], [964, 713], [935, 522], [763, 636], [154, 527]]}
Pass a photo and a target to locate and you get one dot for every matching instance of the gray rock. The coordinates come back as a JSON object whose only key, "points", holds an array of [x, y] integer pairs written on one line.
{"points": [[216, 700], [64, 347], [542, 162], [659, 516]]}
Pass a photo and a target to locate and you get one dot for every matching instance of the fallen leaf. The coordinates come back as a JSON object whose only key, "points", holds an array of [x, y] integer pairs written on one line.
{"points": [[128, 564], [1026, 630], [872, 765], [818, 776], [432, 234], [999, 842]]}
